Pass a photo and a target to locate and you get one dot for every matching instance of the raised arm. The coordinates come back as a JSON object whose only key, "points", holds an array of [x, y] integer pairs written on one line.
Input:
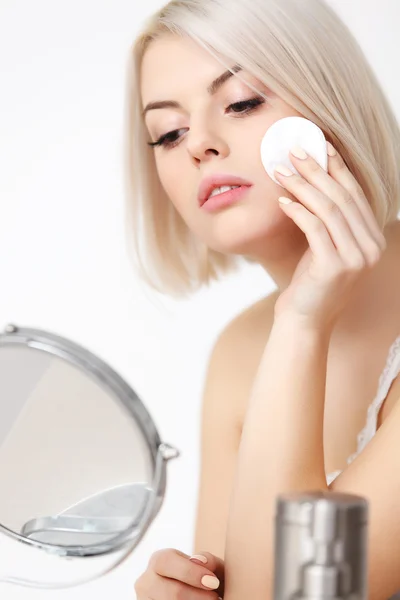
{"points": [[282, 443], [281, 450]]}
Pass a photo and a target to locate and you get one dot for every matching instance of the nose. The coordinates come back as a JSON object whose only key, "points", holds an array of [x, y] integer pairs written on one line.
{"points": [[204, 142]]}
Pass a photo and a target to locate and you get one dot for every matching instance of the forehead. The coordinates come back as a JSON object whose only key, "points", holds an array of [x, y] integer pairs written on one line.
{"points": [[173, 64]]}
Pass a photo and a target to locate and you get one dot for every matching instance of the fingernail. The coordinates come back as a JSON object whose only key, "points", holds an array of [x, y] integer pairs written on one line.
{"points": [[330, 149], [283, 170], [210, 582], [199, 557], [299, 152], [284, 200]]}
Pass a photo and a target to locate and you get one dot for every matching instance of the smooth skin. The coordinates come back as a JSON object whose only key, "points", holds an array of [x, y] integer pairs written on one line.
{"points": [[268, 408]]}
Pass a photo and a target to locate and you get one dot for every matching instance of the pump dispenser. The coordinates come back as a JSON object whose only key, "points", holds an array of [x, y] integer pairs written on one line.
{"points": [[321, 547]]}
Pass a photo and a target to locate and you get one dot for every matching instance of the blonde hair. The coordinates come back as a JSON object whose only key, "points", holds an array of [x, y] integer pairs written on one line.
{"points": [[304, 53]]}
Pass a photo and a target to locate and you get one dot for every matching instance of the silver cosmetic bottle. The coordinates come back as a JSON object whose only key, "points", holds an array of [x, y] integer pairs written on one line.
{"points": [[321, 547]]}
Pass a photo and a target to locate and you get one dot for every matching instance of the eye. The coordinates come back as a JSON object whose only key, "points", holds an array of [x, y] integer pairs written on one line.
{"points": [[246, 106], [167, 139], [170, 139]]}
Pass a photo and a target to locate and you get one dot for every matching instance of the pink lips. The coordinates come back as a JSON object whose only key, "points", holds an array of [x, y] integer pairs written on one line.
{"points": [[225, 199], [208, 184]]}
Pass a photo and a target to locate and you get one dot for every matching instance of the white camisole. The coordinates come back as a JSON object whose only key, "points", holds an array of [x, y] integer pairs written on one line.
{"points": [[388, 375]]}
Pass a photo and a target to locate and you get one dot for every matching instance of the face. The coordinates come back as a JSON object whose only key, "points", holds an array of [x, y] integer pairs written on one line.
{"points": [[209, 135]]}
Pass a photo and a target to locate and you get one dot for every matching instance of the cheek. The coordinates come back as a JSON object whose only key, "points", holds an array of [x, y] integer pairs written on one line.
{"points": [[173, 182]]}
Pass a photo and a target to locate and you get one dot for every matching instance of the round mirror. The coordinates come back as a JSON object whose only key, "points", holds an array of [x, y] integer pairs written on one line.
{"points": [[82, 467]]}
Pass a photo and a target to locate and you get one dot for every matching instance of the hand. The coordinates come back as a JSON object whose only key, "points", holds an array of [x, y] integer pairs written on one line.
{"points": [[343, 236], [171, 574]]}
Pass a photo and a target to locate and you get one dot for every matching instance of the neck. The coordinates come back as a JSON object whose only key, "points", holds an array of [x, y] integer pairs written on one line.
{"points": [[284, 254]]}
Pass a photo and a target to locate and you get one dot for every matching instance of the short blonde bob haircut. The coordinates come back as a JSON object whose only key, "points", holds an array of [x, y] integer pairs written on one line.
{"points": [[303, 52]]}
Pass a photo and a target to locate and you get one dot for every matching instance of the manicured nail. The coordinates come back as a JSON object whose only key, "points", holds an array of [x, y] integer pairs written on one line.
{"points": [[210, 582], [284, 200], [299, 152], [330, 149], [283, 170], [199, 557]]}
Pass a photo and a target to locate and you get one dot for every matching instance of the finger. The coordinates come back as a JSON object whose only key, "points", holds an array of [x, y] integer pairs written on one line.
{"points": [[342, 188], [319, 240], [325, 210], [214, 564], [176, 565], [162, 588], [344, 177]]}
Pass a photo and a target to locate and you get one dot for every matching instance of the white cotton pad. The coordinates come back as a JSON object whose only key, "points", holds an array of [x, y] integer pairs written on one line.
{"points": [[286, 133]]}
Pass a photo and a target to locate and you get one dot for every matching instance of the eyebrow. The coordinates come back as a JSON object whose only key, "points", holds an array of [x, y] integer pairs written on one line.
{"points": [[211, 89]]}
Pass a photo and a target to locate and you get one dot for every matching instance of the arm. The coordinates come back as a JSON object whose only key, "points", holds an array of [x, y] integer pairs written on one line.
{"points": [[375, 475], [231, 370], [282, 443], [281, 450], [220, 436]]}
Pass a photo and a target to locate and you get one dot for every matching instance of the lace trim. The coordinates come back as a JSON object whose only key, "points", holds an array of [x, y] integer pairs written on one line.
{"points": [[389, 373], [332, 476]]}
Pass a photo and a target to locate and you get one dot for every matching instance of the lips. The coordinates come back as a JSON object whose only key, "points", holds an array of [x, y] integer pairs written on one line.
{"points": [[209, 184]]}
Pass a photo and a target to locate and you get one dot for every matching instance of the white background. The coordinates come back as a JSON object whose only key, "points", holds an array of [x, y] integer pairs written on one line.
{"points": [[63, 264]]}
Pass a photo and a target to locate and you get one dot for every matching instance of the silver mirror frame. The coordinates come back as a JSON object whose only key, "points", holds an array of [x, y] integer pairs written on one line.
{"points": [[38, 562]]}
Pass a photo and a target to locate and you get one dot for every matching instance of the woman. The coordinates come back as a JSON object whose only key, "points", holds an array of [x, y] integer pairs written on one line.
{"points": [[291, 379]]}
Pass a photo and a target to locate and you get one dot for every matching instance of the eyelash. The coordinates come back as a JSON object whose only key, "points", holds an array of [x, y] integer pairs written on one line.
{"points": [[248, 105]]}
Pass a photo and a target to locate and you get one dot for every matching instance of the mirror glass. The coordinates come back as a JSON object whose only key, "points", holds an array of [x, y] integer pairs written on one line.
{"points": [[75, 467]]}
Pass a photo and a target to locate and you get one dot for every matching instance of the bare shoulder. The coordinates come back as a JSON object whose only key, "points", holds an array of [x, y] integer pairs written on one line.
{"points": [[248, 329], [237, 352]]}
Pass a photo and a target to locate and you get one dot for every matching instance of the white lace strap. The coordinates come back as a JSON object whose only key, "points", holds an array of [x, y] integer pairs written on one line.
{"points": [[388, 375]]}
